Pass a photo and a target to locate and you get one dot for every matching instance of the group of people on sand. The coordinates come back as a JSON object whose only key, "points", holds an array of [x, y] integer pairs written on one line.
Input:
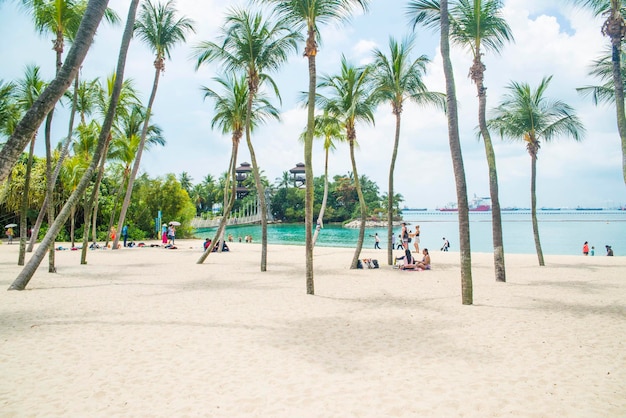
{"points": [[592, 251]]}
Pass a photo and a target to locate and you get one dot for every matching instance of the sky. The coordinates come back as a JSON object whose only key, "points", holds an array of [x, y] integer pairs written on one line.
{"points": [[551, 38]]}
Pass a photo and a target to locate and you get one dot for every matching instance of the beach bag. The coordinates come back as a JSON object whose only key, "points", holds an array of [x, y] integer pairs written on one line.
{"points": [[359, 265], [375, 263]]}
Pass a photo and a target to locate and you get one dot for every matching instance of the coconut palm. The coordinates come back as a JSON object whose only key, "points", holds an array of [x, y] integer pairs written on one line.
{"points": [[158, 27], [398, 78], [26, 93], [92, 16], [350, 100], [614, 27], [525, 114], [256, 47], [9, 114], [477, 25], [231, 114], [329, 128], [307, 15], [455, 144]]}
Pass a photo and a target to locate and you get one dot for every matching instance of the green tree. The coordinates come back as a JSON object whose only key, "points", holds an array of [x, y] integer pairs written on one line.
{"points": [[257, 47], [398, 78], [525, 114], [477, 25], [159, 28], [308, 15], [91, 18], [186, 181], [350, 100], [231, 110]]}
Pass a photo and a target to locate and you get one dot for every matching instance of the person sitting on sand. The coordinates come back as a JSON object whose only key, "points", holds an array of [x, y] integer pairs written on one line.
{"points": [[417, 265], [409, 261], [207, 243], [425, 263]]}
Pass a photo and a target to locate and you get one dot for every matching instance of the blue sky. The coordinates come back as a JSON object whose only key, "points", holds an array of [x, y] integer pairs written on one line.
{"points": [[556, 40]]}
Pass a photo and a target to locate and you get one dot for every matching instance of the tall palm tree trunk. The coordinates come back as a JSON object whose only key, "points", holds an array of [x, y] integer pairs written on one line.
{"points": [[496, 214], [231, 201], [90, 20], [467, 297], [50, 188], [57, 169], [533, 208], [320, 216], [310, 53], [252, 89], [362, 207], [24, 209], [137, 163], [390, 194]]}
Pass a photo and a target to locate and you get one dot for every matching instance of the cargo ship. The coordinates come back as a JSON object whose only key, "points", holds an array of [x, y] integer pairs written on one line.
{"points": [[477, 204]]}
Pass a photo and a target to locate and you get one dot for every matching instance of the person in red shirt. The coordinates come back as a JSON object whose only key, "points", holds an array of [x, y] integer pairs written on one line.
{"points": [[586, 248]]}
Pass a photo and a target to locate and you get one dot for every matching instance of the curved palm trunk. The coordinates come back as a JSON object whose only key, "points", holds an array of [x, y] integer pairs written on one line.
{"points": [[390, 193], [89, 19], [257, 176], [477, 72], [310, 53], [50, 189], [142, 143], [231, 201], [467, 297], [320, 216], [24, 209], [533, 208], [363, 208]]}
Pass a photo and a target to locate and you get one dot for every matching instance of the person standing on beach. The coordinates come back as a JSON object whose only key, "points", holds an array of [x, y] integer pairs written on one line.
{"points": [[416, 243], [586, 248], [377, 241], [405, 236], [10, 235], [125, 233], [164, 234]]}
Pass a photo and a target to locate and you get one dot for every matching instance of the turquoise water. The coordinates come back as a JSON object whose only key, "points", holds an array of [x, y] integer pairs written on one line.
{"points": [[561, 232]]}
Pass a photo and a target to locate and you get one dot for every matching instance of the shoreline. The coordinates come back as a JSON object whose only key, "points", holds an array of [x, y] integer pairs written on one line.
{"points": [[148, 332]]}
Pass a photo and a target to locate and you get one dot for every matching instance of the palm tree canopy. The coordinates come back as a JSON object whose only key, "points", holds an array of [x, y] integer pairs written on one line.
{"points": [[350, 98], [250, 42], [397, 78], [159, 28], [599, 7], [602, 69], [308, 14], [526, 114], [231, 105], [475, 24]]}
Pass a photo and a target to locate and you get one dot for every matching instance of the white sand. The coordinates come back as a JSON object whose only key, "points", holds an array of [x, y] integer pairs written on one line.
{"points": [[148, 332]]}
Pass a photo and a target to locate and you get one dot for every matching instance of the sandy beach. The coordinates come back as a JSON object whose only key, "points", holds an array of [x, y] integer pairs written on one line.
{"points": [[148, 332]]}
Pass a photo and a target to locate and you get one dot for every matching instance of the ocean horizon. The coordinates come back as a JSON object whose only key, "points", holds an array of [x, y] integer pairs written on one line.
{"points": [[561, 232]]}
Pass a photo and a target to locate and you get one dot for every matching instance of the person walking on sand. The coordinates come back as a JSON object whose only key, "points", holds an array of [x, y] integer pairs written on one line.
{"points": [[586, 248], [446, 244], [377, 241], [405, 236], [10, 235]]}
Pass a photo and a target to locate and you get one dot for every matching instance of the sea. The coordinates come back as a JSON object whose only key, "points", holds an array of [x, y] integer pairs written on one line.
{"points": [[561, 232]]}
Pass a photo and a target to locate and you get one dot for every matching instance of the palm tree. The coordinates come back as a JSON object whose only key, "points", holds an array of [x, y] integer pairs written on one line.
{"points": [[527, 115], [308, 15], [186, 182], [613, 27], [256, 47], [61, 18], [8, 109], [231, 114], [397, 79], [158, 27], [414, 9], [477, 25], [329, 128], [26, 93], [92, 16], [351, 100]]}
